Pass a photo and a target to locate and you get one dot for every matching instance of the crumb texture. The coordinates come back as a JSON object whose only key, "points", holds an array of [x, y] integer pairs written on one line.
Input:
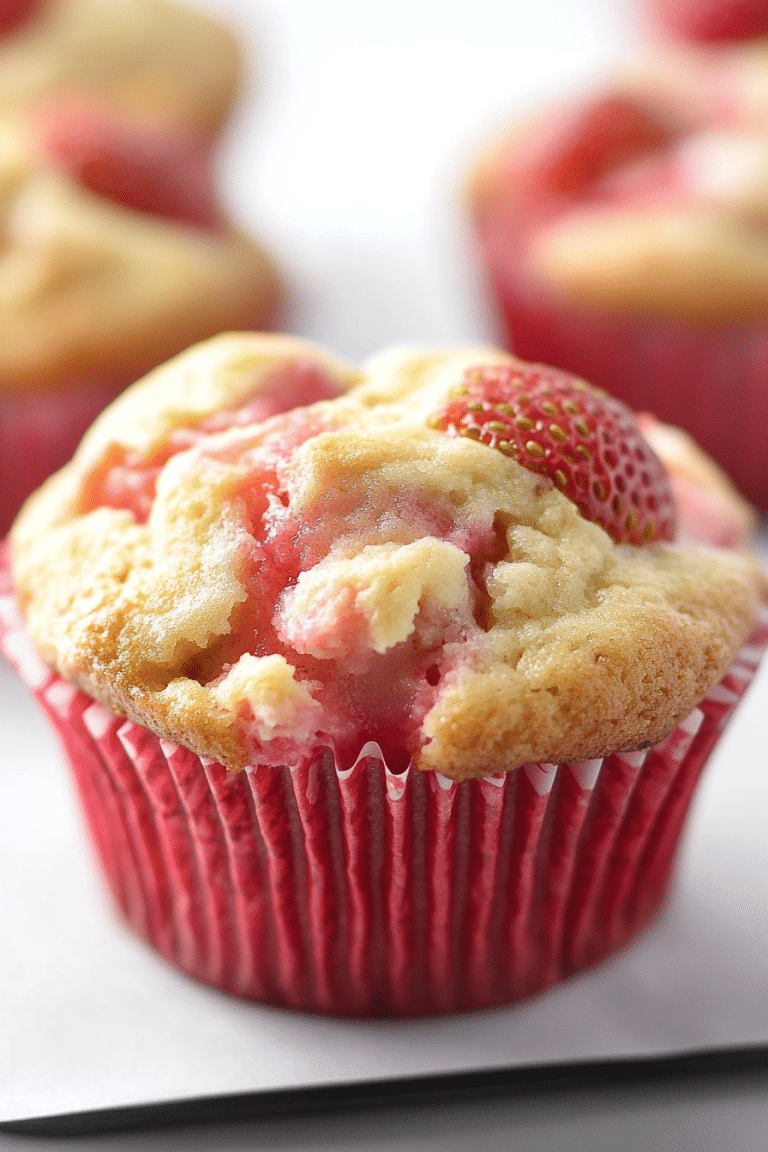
{"points": [[258, 549]]}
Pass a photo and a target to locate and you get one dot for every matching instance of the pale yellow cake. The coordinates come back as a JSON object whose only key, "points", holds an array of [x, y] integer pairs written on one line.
{"points": [[677, 234], [145, 55], [252, 582], [91, 288]]}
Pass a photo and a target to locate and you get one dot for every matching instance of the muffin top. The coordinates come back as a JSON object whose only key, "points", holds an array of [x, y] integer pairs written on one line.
{"points": [[709, 507], [144, 55], [114, 255], [647, 201], [258, 550]]}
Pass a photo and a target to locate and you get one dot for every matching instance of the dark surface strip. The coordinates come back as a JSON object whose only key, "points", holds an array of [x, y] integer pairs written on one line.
{"points": [[519, 1082]]}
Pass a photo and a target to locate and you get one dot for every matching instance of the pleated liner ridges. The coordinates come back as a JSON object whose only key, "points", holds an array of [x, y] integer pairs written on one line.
{"points": [[363, 892]]}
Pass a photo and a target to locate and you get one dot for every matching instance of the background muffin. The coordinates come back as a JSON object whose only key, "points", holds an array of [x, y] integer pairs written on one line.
{"points": [[359, 637], [116, 255], [625, 240], [147, 56]]}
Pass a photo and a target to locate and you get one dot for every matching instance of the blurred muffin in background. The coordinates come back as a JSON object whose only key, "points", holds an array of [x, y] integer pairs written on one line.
{"points": [[626, 238], [115, 257], [726, 83], [708, 505], [144, 55]]}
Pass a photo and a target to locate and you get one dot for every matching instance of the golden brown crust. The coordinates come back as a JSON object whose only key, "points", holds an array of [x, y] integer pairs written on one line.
{"points": [[619, 677], [583, 647]]}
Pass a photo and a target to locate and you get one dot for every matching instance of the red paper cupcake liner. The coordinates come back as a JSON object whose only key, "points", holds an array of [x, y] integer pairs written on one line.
{"points": [[713, 382], [362, 892], [39, 431]]}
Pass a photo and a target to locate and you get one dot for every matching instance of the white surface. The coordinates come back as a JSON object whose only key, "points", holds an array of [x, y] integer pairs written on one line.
{"points": [[361, 123], [347, 161], [91, 1018]]}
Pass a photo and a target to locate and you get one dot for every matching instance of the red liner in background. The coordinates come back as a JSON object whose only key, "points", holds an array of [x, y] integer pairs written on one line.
{"points": [[361, 892], [40, 430], [711, 381]]}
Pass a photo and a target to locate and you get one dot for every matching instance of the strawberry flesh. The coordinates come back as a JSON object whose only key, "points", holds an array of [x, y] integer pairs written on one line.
{"points": [[570, 154], [713, 20], [126, 478], [585, 442], [140, 164]]}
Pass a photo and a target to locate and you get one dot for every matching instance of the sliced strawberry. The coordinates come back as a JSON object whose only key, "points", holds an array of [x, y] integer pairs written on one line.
{"points": [[13, 13], [713, 20], [141, 164], [586, 442], [567, 154]]}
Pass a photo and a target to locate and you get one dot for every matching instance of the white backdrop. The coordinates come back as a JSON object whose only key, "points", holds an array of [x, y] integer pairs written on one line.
{"points": [[360, 121]]}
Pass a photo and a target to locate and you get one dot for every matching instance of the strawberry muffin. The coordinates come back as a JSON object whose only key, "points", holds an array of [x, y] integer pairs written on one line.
{"points": [[115, 257], [386, 690], [148, 56], [626, 239]]}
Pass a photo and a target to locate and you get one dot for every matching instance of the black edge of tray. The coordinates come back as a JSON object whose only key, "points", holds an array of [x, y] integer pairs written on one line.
{"points": [[714, 1064]]}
